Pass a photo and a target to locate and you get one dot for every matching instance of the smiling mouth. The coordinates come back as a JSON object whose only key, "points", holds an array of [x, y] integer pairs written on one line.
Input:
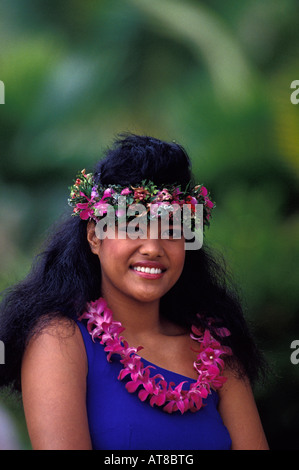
{"points": [[142, 269], [149, 271]]}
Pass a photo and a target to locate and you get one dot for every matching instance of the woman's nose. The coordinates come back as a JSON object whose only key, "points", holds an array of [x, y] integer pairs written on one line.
{"points": [[152, 247]]}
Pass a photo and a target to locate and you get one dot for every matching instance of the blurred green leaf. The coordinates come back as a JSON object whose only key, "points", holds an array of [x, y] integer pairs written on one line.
{"points": [[211, 40]]}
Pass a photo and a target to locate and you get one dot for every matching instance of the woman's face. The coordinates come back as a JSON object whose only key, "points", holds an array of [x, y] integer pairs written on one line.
{"points": [[143, 269]]}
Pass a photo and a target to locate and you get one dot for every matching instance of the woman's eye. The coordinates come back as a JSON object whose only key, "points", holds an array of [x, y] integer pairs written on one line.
{"points": [[172, 233], [134, 230]]}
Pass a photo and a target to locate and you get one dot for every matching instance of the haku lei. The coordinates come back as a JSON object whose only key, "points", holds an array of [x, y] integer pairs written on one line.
{"points": [[91, 200], [208, 364]]}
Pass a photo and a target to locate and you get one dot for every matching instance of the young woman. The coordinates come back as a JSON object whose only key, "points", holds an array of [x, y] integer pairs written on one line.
{"points": [[73, 328]]}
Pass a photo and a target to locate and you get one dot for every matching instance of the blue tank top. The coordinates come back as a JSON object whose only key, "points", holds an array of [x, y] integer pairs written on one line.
{"points": [[118, 420]]}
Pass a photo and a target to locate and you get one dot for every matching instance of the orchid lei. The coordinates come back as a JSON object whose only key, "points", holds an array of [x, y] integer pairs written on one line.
{"points": [[91, 200], [208, 364]]}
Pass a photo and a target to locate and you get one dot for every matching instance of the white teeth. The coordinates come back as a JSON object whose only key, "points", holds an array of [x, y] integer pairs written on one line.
{"points": [[148, 270]]}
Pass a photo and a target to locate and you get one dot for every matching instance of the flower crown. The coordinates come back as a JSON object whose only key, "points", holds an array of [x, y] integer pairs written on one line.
{"points": [[91, 200]]}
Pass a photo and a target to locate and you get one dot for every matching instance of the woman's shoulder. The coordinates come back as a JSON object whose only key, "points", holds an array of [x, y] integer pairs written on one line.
{"points": [[54, 326], [56, 338], [239, 412], [54, 370]]}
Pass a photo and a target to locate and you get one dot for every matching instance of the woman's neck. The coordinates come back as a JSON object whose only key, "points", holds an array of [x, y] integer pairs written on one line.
{"points": [[136, 317]]}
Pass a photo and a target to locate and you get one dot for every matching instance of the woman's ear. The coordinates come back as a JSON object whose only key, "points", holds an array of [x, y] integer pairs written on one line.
{"points": [[93, 240]]}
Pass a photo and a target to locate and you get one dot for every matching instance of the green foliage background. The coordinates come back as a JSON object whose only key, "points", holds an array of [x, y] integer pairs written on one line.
{"points": [[213, 75]]}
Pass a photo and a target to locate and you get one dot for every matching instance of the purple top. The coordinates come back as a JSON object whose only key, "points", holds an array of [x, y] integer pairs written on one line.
{"points": [[118, 420]]}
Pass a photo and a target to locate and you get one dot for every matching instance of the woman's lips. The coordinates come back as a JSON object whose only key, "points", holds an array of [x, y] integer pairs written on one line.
{"points": [[148, 269]]}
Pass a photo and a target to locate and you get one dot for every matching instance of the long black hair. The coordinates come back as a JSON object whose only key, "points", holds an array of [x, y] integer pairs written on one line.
{"points": [[67, 274]]}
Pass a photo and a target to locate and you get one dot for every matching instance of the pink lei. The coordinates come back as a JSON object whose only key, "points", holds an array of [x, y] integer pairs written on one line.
{"points": [[208, 363]]}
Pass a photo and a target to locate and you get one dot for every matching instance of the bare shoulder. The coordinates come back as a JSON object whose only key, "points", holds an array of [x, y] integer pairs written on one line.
{"points": [[240, 415], [58, 339], [54, 373]]}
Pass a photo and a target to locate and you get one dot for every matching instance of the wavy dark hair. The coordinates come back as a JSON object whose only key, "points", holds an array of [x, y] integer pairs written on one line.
{"points": [[67, 274]]}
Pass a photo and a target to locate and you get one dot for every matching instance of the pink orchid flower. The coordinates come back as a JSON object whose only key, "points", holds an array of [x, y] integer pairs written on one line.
{"points": [[108, 193], [142, 377], [176, 399], [176, 192], [211, 356], [163, 195], [125, 192], [203, 191], [100, 208], [209, 203], [86, 212]]}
